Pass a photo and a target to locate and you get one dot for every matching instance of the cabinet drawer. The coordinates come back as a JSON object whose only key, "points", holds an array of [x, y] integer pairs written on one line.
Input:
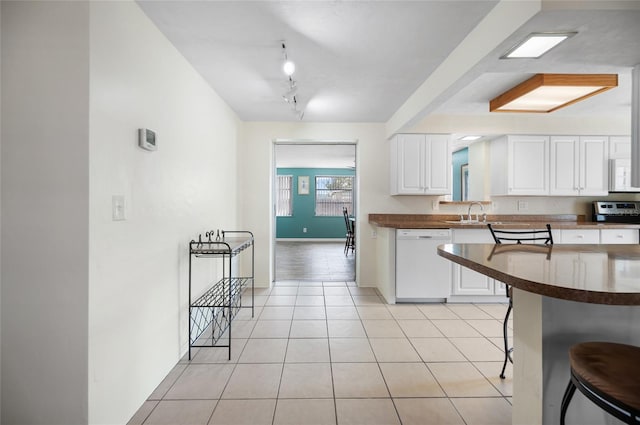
{"points": [[580, 236], [619, 236]]}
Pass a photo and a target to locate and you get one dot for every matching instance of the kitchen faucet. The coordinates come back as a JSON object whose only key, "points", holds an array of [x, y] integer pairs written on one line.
{"points": [[481, 209]]}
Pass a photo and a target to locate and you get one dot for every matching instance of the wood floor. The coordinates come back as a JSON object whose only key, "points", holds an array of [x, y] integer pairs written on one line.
{"points": [[321, 261]]}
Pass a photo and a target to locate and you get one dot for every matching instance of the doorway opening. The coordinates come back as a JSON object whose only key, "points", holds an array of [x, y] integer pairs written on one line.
{"points": [[314, 183]]}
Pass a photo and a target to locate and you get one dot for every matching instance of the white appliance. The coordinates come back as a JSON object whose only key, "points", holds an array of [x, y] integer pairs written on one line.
{"points": [[620, 176], [421, 274]]}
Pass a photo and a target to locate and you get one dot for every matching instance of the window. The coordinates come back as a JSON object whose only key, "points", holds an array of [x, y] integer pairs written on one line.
{"points": [[332, 194], [283, 200]]}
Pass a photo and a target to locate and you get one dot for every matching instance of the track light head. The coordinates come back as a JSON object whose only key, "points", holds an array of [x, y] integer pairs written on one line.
{"points": [[291, 92], [289, 68]]}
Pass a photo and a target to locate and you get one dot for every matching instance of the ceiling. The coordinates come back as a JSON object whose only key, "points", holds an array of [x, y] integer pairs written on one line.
{"points": [[606, 43], [360, 61], [356, 61]]}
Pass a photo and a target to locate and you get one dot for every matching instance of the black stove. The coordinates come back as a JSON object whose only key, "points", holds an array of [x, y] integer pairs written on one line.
{"points": [[616, 212]]}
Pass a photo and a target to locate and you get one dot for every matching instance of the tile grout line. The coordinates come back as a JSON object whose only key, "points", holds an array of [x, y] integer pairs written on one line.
{"points": [[358, 309]]}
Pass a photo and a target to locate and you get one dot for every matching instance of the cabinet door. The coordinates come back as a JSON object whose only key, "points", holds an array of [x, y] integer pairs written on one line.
{"points": [[528, 165], [619, 236], [594, 171], [437, 165], [467, 281], [410, 170], [563, 162], [619, 147]]}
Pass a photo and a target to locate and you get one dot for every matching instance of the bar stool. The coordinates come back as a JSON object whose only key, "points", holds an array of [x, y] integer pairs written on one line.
{"points": [[516, 237], [608, 374]]}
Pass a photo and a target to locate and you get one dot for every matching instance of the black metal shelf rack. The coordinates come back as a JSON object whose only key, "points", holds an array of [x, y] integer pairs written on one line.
{"points": [[211, 313]]}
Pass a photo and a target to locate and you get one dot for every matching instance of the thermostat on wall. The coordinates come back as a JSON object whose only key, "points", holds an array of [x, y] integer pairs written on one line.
{"points": [[147, 139]]}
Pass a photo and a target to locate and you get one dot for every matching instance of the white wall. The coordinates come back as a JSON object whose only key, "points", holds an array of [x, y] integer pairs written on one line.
{"points": [[0, 215], [560, 124], [138, 267], [94, 311], [372, 165], [45, 212]]}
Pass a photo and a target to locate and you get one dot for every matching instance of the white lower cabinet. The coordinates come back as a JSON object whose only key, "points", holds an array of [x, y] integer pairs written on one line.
{"points": [[604, 236], [466, 282], [619, 236], [578, 236]]}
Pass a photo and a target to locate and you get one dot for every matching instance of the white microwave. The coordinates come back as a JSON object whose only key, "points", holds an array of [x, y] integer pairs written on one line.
{"points": [[620, 176]]}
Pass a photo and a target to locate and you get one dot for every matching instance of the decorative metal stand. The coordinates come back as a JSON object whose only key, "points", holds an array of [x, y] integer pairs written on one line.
{"points": [[210, 314]]}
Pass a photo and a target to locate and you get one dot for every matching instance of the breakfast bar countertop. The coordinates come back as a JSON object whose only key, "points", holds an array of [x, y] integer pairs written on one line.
{"points": [[513, 221], [588, 273]]}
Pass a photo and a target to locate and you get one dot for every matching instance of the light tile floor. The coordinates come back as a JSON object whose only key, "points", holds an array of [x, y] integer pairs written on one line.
{"points": [[331, 353]]}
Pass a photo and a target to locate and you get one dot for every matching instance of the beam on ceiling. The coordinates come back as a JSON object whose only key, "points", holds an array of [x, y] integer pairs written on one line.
{"points": [[504, 19]]}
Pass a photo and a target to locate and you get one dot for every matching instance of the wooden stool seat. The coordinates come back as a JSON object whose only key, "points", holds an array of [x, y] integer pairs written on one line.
{"points": [[609, 375]]}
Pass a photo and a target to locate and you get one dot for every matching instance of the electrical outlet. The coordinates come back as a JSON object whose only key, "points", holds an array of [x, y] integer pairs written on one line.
{"points": [[304, 230], [435, 205], [374, 234], [523, 205]]}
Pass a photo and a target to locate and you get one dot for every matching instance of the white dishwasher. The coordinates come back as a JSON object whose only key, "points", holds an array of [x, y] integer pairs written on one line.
{"points": [[421, 274]]}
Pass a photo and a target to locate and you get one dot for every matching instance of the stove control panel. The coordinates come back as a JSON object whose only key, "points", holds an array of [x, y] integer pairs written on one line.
{"points": [[616, 211]]}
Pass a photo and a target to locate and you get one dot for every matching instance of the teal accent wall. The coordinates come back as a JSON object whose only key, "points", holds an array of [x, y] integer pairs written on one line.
{"points": [[304, 208], [459, 158]]}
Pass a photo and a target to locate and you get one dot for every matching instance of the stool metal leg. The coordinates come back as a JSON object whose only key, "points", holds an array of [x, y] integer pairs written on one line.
{"points": [[507, 350], [566, 399]]}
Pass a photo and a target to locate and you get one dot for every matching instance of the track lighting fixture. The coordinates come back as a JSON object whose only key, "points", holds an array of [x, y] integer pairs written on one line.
{"points": [[288, 66], [292, 91], [292, 88]]}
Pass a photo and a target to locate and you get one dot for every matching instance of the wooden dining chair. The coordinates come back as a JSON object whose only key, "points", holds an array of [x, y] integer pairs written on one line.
{"points": [[516, 237], [350, 242], [608, 374]]}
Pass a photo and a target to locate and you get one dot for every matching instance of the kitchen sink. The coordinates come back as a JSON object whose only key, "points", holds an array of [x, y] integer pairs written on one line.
{"points": [[469, 222], [464, 222]]}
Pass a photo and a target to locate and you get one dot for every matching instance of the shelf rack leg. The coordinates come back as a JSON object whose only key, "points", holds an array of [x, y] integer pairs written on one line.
{"points": [[189, 300], [253, 289], [230, 306]]}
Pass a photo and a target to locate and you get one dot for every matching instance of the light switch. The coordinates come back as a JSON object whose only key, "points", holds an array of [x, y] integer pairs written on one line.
{"points": [[117, 208]]}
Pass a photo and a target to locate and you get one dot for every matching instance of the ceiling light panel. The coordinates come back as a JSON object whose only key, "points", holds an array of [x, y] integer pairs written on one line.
{"points": [[548, 92], [545, 99], [536, 45]]}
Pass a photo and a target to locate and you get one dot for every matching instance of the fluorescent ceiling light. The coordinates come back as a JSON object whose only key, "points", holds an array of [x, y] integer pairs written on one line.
{"points": [[536, 45], [548, 92], [469, 138]]}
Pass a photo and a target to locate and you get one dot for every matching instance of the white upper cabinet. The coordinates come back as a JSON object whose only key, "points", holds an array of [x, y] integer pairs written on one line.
{"points": [[579, 166], [619, 147], [519, 165], [420, 164]]}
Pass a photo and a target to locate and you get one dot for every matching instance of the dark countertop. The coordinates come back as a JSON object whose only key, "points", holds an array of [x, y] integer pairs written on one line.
{"points": [[515, 221], [593, 273]]}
